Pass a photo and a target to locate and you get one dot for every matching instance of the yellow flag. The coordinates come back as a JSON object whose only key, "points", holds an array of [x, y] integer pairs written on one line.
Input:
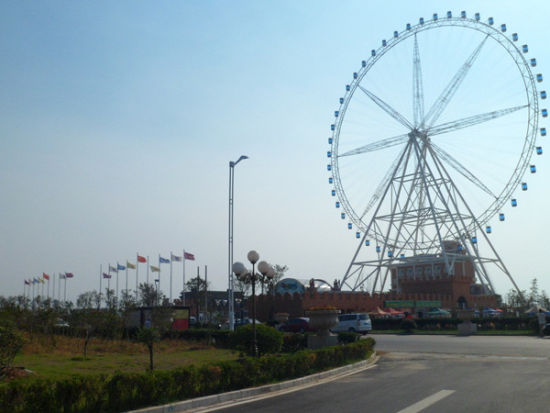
{"points": [[130, 265], [155, 269]]}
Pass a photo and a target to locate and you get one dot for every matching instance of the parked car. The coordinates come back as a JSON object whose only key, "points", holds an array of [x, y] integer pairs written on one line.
{"points": [[296, 325], [244, 321], [356, 322], [546, 330]]}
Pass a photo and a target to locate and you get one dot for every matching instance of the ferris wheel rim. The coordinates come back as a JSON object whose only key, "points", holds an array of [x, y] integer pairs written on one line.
{"points": [[531, 95]]}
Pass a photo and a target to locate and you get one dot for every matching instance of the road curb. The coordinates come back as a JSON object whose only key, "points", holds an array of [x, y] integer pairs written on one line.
{"points": [[239, 395]]}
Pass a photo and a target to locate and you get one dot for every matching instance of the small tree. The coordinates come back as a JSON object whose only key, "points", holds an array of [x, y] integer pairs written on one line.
{"points": [[148, 336], [10, 344]]}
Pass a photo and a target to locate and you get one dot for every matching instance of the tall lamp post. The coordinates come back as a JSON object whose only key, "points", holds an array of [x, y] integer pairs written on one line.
{"points": [[230, 297], [266, 273]]}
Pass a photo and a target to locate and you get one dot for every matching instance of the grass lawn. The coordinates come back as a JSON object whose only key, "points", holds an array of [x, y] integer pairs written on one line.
{"points": [[63, 356]]}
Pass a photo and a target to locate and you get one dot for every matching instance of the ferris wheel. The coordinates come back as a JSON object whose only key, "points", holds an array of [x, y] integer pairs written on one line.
{"points": [[432, 140]]}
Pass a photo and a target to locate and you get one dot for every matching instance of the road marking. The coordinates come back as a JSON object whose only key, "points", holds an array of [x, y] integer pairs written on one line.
{"points": [[427, 402]]}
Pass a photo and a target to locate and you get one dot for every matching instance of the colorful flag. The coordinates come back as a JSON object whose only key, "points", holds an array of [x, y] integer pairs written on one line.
{"points": [[34, 281], [141, 259], [155, 269], [45, 276], [105, 275], [189, 256], [176, 258], [62, 276], [112, 269], [41, 280], [130, 265], [164, 260], [120, 267], [27, 282], [69, 275]]}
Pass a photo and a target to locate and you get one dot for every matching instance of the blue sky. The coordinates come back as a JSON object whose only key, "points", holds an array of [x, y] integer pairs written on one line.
{"points": [[118, 120]]}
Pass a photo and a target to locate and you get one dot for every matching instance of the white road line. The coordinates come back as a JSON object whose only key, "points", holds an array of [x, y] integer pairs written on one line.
{"points": [[428, 401]]}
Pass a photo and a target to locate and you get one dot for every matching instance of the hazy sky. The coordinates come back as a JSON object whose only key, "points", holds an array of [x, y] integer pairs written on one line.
{"points": [[118, 121]]}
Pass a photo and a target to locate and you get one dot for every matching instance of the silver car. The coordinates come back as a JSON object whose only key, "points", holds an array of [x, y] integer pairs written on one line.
{"points": [[356, 322]]}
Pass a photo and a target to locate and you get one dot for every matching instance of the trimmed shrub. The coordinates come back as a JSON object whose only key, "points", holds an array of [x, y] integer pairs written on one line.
{"points": [[408, 324], [346, 337], [269, 339], [294, 342], [10, 344]]}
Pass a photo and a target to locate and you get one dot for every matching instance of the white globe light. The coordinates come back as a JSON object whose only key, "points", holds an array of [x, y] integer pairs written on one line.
{"points": [[253, 257], [264, 267], [239, 268]]}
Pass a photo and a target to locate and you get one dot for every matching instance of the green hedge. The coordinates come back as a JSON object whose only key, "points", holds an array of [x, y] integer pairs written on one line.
{"points": [[126, 391], [484, 324]]}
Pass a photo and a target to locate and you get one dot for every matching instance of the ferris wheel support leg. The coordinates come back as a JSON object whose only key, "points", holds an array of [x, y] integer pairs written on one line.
{"points": [[421, 156]]}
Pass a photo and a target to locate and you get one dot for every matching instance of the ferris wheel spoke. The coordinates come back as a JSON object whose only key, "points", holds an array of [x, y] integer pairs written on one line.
{"points": [[375, 146], [387, 108], [471, 121], [461, 169], [443, 100], [418, 89]]}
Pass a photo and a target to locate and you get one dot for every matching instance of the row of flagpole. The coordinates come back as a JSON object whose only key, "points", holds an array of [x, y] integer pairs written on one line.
{"points": [[186, 256], [31, 282]]}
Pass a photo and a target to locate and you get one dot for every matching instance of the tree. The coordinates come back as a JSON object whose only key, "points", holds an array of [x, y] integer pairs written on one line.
{"points": [[10, 344], [149, 296], [197, 288], [148, 336], [514, 299], [534, 296], [88, 299]]}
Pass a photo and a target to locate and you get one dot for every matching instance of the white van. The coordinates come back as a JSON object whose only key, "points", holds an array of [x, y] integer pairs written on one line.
{"points": [[356, 322]]}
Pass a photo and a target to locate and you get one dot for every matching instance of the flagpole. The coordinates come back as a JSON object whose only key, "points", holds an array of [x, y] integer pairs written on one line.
{"points": [[137, 271], [147, 270], [126, 277], [183, 289], [117, 283], [42, 295], [109, 281], [158, 285], [206, 290], [59, 288], [100, 281], [32, 293], [65, 290], [171, 259]]}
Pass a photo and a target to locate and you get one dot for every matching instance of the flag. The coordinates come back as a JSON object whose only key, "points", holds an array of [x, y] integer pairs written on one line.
{"points": [[105, 275], [176, 258], [120, 267], [41, 280], [141, 259], [112, 269], [27, 282], [62, 276], [189, 256], [130, 265], [45, 276], [34, 281], [69, 275], [155, 269], [164, 260]]}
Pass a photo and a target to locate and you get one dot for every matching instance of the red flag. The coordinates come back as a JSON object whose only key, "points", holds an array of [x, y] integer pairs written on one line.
{"points": [[188, 256], [141, 259], [45, 276], [69, 275]]}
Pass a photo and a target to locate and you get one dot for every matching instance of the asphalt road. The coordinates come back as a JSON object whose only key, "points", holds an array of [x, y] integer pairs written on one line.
{"points": [[433, 374]]}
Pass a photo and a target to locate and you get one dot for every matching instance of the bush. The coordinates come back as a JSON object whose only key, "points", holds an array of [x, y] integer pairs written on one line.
{"points": [[127, 391], [294, 342], [218, 338], [269, 339], [408, 324], [346, 337]]}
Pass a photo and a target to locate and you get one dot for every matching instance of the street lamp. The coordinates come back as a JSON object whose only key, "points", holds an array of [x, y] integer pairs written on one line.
{"points": [[251, 278], [230, 253]]}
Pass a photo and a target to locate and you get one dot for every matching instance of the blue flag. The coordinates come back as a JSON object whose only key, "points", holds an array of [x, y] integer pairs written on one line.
{"points": [[120, 267], [164, 260]]}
